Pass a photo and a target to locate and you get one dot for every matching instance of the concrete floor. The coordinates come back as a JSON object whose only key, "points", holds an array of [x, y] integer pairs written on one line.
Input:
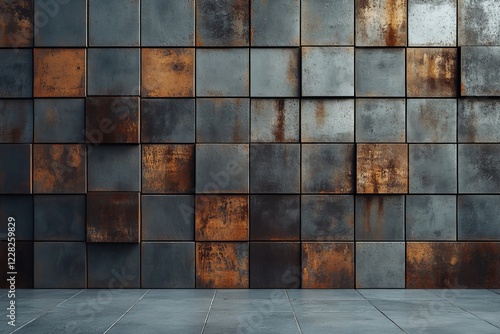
{"points": [[254, 311]]}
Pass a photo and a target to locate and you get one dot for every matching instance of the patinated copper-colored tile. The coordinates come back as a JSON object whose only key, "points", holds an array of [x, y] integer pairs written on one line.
{"points": [[431, 72], [382, 168], [59, 72], [327, 265], [59, 168], [431, 265], [167, 72], [222, 265], [220, 218], [167, 168], [113, 217], [16, 23], [380, 22]]}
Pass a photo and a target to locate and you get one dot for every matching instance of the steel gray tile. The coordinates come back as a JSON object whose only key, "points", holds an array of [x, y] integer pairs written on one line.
{"points": [[275, 23], [380, 265], [479, 168], [431, 120], [478, 22], [380, 218], [478, 217], [327, 120], [16, 73], [380, 120], [114, 22], [274, 120], [15, 171], [19, 207], [24, 277], [431, 217], [478, 77], [274, 217], [60, 121], [16, 121], [478, 120], [432, 23]]}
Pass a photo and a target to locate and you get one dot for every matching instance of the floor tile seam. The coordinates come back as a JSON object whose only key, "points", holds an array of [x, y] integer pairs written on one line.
{"points": [[293, 312], [474, 315], [128, 310], [385, 315], [208, 312]]}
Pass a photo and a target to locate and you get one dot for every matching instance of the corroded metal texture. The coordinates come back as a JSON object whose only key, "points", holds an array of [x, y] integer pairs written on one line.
{"points": [[431, 72], [432, 23], [274, 120], [114, 22], [382, 168], [478, 22], [15, 171], [477, 76], [16, 121], [380, 265], [113, 217], [16, 73], [275, 23], [60, 121], [380, 120], [380, 218], [274, 217], [431, 120], [167, 168], [431, 217], [327, 120], [24, 265], [222, 265], [479, 168], [328, 265], [20, 207], [478, 120], [445, 265], [478, 217], [167, 72], [16, 23]]}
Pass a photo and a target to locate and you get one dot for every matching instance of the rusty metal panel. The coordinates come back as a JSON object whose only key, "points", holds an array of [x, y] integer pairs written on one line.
{"points": [[275, 265], [327, 168], [431, 217], [380, 120], [431, 72], [20, 207], [167, 72], [221, 218], [381, 22], [274, 120], [59, 168], [380, 265], [380, 218], [16, 121], [275, 23], [432, 23], [447, 265], [327, 217], [478, 22], [233, 113], [328, 265], [327, 22], [222, 265], [167, 168], [477, 75], [114, 22], [16, 23], [478, 120], [15, 171], [327, 71], [274, 72], [382, 168], [431, 120], [60, 121], [24, 265], [478, 217], [274, 217], [16, 73], [479, 168], [113, 217], [327, 120], [222, 22]]}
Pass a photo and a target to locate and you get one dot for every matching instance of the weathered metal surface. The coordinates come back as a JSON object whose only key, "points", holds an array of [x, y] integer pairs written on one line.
{"points": [[479, 168], [222, 120], [16, 121], [327, 217], [327, 120], [24, 265], [114, 168], [114, 22], [328, 168], [113, 217], [167, 72], [222, 168], [167, 168], [327, 22], [16, 23], [382, 168], [15, 169], [380, 120], [275, 265], [328, 265], [59, 218], [222, 22], [222, 265], [159, 258], [477, 75], [274, 217], [446, 265], [380, 22], [60, 265], [431, 217], [432, 23], [166, 218], [167, 23], [478, 22], [380, 218], [431, 120], [20, 207], [274, 72], [275, 23], [327, 71], [478, 120], [380, 265], [60, 121], [222, 72], [59, 168], [16, 72], [221, 218], [274, 120], [478, 217], [380, 72], [275, 168]]}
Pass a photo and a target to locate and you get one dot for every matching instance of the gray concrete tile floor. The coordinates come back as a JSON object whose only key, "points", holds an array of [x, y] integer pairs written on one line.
{"points": [[253, 311]]}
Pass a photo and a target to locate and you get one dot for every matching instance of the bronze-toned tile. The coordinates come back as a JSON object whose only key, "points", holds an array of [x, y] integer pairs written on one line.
{"points": [[16, 22]]}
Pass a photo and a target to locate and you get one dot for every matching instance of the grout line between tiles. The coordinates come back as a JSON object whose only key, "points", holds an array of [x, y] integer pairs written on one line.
{"points": [[120, 318], [293, 312], [383, 312], [208, 313]]}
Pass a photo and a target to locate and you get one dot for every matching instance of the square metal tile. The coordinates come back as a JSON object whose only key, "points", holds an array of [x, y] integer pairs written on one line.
{"points": [[432, 23], [274, 120], [114, 22], [431, 120], [327, 120], [275, 23], [16, 73], [274, 217], [15, 175], [431, 217], [380, 120], [16, 20], [380, 265], [479, 168], [477, 76], [16, 121], [478, 217], [60, 121], [380, 217]]}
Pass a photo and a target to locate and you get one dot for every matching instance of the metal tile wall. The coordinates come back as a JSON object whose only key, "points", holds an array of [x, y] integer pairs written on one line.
{"points": [[251, 143]]}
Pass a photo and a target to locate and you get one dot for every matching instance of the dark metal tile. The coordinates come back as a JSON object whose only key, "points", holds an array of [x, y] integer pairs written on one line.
{"points": [[167, 168], [275, 23], [113, 217], [431, 217], [60, 265], [327, 217], [16, 121], [221, 218], [380, 120], [15, 169], [60, 121], [59, 218], [380, 218], [477, 75], [23, 266], [168, 265], [478, 217], [327, 120], [274, 120], [479, 168], [16, 73], [327, 265], [16, 20], [19, 207], [222, 265], [478, 120], [274, 217], [431, 120], [478, 22], [380, 265], [114, 22], [275, 265], [432, 23]]}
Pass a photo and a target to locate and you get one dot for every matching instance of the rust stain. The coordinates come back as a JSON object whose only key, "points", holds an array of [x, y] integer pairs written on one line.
{"points": [[279, 127], [16, 23], [381, 22], [320, 112], [291, 71]]}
